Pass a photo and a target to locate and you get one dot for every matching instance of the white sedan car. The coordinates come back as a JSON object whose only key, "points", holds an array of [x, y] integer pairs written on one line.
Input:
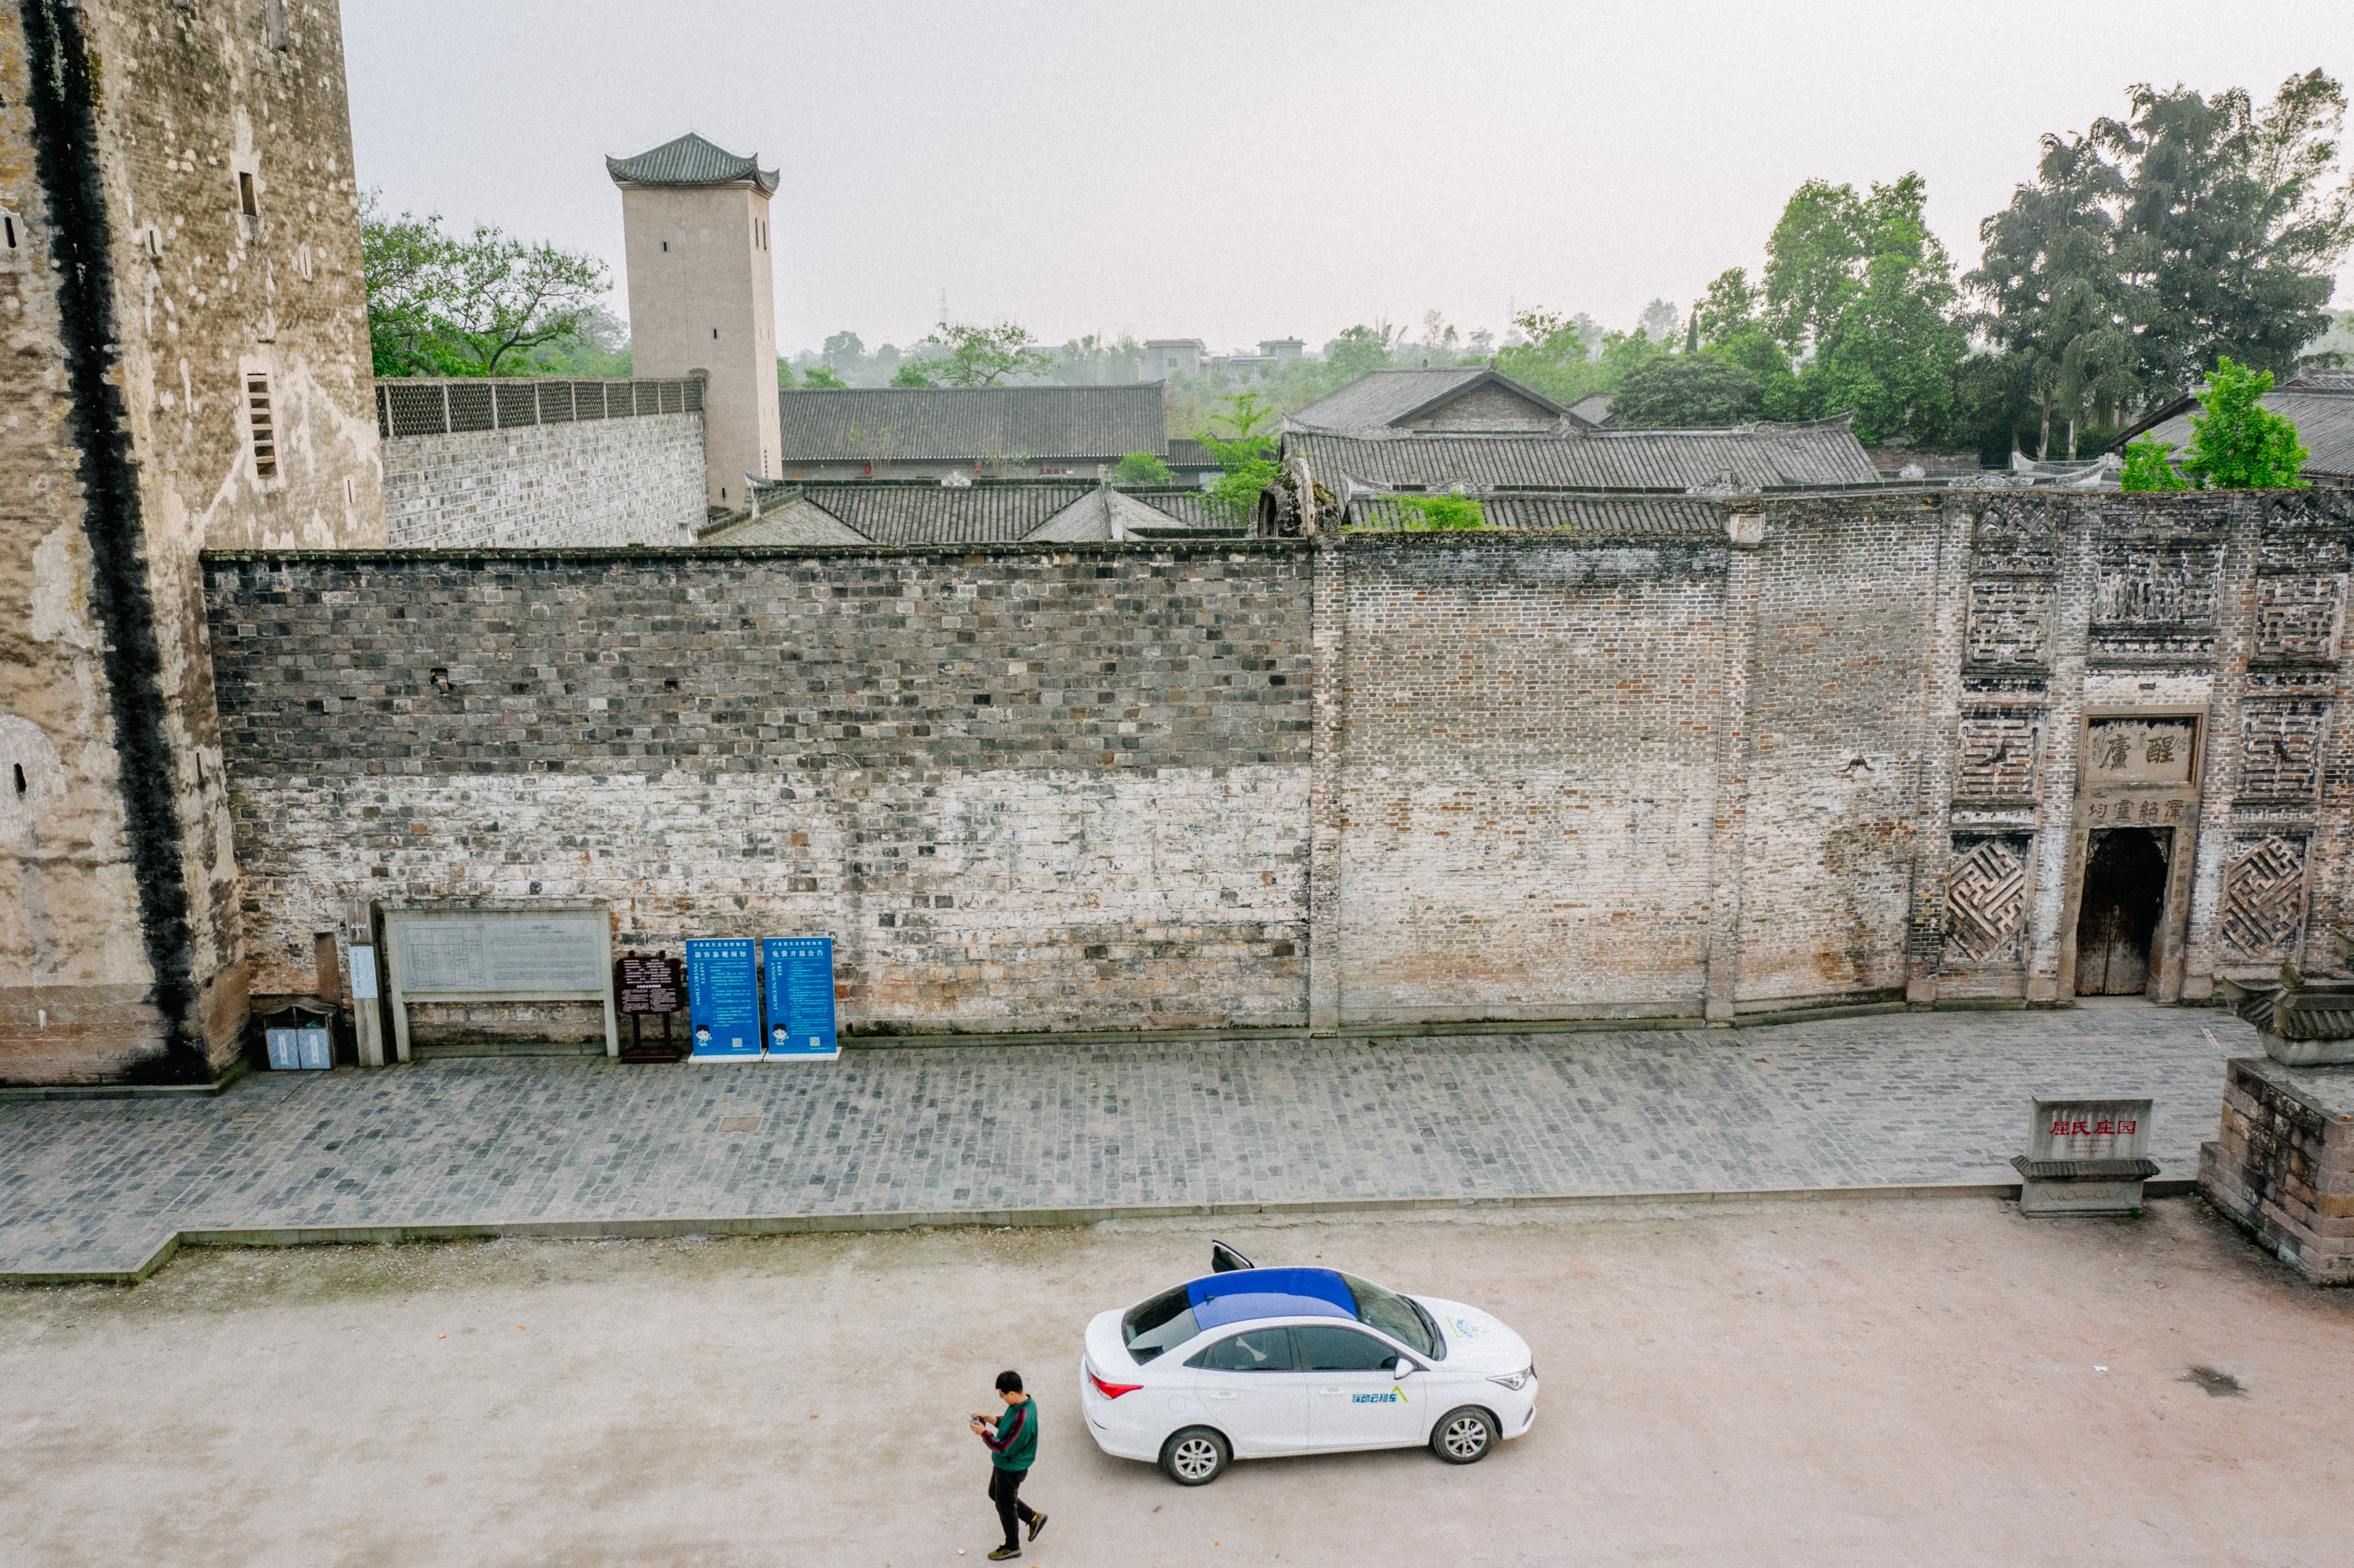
{"points": [[1255, 1362]]}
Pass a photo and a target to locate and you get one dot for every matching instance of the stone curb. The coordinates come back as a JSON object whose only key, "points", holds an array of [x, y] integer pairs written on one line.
{"points": [[995, 1219]]}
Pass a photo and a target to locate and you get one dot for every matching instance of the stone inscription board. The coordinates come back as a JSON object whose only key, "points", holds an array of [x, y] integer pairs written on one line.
{"points": [[502, 954], [2139, 751]]}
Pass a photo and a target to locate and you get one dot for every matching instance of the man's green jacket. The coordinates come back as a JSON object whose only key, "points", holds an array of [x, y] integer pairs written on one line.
{"points": [[1015, 1442]]}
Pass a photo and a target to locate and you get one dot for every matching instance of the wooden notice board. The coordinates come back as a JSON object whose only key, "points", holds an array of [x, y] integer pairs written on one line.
{"points": [[466, 952]]}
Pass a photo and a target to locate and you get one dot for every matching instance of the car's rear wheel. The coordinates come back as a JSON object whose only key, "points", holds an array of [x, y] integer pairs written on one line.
{"points": [[1464, 1437], [1194, 1457]]}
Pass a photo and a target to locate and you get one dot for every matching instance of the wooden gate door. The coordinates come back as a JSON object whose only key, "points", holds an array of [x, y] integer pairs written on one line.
{"points": [[2124, 890]]}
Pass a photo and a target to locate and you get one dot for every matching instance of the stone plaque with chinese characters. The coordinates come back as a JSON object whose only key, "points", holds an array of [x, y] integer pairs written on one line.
{"points": [[2089, 1129], [2139, 751]]}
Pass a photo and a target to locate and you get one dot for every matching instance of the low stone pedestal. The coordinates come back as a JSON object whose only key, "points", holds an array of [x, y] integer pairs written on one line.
{"points": [[2084, 1157], [2283, 1168]]}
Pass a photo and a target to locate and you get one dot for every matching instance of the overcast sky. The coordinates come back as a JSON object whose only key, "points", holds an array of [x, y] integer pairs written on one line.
{"points": [[1238, 171]]}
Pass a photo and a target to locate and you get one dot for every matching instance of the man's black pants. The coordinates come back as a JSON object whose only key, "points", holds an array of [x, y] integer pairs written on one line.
{"points": [[1004, 1489]]}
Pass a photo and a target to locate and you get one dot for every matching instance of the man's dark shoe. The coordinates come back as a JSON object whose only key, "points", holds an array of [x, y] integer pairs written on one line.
{"points": [[1003, 1552], [1037, 1524]]}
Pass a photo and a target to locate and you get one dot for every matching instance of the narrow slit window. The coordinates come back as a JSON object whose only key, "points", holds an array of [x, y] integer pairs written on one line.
{"points": [[262, 427], [245, 193], [8, 226], [20, 776]]}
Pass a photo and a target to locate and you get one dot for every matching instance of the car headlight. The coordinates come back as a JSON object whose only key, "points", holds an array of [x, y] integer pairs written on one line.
{"points": [[1518, 1379]]}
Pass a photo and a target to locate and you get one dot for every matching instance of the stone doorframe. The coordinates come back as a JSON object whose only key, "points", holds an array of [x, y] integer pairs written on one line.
{"points": [[2134, 802]]}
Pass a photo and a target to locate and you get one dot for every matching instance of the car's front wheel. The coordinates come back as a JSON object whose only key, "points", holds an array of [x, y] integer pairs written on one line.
{"points": [[1194, 1457], [1464, 1437]]}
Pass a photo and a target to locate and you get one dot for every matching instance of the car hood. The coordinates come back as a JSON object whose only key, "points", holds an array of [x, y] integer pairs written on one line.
{"points": [[1475, 1341]]}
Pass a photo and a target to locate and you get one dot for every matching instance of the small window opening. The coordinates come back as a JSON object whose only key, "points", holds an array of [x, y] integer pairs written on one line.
{"points": [[19, 768], [262, 427], [245, 195], [8, 224], [665, 244], [715, 332]]}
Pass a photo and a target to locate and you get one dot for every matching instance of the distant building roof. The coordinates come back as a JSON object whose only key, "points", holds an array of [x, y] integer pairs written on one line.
{"points": [[1184, 452], [971, 424], [1573, 512], [1173, 343], [924, 511], [2320, 403], [1594, 408], [691, 160], [1401, 399], [1746, 457]]}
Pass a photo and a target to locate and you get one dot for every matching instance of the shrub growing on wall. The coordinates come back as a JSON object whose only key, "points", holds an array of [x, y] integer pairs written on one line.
{"points": [[2147, 467], [1424, 513], [2238, 443]]}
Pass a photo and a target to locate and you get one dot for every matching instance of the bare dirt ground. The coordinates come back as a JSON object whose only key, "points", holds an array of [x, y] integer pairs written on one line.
{"points": [[1842, 1383]]}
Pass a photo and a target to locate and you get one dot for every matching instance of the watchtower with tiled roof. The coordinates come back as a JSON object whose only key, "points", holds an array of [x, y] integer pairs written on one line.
{"points": [[695, 218]]}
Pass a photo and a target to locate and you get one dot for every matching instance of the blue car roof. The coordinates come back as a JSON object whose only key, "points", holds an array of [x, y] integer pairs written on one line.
{"points": [[1249, 1293]]}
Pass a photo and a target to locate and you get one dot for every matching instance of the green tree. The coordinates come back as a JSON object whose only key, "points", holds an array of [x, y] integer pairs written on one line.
{"points": [[1729, 310], [1143, 467], [846, 351], [598, 348], [1432, 513], [823, 377], [1246, 453], [2148, 468], [1686, 392], [1556, 355], [785, 377], [441, 304], [2237, 443], [987, 355], [910, 374]]}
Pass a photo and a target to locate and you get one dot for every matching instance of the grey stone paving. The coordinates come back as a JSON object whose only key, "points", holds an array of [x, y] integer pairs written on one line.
{"points": [[1895, 1100]]}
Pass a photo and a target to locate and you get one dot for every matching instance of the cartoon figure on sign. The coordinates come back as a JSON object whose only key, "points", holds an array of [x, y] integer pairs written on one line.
{"points": [[702, 1035], [777, 1038]]}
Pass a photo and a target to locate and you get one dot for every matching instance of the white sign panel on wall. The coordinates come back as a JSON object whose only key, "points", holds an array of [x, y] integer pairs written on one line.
{"points": [[463, 953]]}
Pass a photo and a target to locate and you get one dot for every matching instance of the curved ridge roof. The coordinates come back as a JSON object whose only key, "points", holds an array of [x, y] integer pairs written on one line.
{"points": [[689, 160]]}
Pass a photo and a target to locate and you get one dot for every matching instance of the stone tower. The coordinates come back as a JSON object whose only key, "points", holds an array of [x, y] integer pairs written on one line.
{"points": [[696, 224], [188, 369]]}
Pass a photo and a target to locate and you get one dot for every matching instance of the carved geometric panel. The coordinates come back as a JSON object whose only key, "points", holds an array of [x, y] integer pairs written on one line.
{"points": [[2016, 536], [2264, 896], [1986, 902], [1997, 759], [2280, 757], [2157, 585], [2011, 624], [2296, 617]]}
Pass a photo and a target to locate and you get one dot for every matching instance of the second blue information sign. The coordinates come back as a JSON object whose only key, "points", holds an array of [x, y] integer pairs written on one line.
{"points": [[801, 998]]}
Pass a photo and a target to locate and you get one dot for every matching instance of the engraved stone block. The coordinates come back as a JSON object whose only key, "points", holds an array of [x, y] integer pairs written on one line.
{"points": [[2157, 585], [1985, 901], [2011, 624], [2296, 617], [2125, 750], [2017, 536], [2264, 896], [1998, 756], [2280, 753]]}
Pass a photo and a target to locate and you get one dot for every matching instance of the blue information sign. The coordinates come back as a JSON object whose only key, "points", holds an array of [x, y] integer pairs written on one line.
{"points": [[723, 1000], [801, 998]]}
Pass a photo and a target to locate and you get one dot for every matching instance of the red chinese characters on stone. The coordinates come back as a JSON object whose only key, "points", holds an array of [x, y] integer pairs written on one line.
{"points": [[2066, 1128]]}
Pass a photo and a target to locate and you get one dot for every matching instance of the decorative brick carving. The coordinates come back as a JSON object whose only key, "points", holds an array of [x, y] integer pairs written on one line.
{"points": [[1985, 901], [1998, 758], [2264, 896], [2011, 624], [2157, 585], [2296, 617], [2280, 753], [2304, 550], [2017, 536]]}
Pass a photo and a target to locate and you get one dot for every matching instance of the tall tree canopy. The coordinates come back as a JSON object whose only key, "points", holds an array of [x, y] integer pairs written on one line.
{"points": [[443, 305], [986, 355]]}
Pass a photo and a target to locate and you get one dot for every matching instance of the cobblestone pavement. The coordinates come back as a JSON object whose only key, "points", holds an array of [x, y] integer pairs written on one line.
{"points": [[1895, 1100]]}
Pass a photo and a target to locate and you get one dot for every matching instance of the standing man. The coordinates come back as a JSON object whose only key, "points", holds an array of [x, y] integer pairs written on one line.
{"points": [[1012, 1442]]}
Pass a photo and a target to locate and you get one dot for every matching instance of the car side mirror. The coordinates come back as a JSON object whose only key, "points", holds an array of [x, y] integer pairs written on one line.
{"points": [[1405, 1367]]}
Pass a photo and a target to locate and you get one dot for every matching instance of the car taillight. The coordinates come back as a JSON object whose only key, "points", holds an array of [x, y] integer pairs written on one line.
{"points": [[1111, 1389]]}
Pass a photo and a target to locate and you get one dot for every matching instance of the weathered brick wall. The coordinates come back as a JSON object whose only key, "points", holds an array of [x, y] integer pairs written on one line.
{"points": [[186, 275], [1021, 787], [637, 481], [1844, 591], [1526, 772]]}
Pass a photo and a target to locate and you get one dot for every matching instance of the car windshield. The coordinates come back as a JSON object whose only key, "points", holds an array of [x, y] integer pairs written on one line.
{"points": [[1395, 1315], [1162, 1323]]}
